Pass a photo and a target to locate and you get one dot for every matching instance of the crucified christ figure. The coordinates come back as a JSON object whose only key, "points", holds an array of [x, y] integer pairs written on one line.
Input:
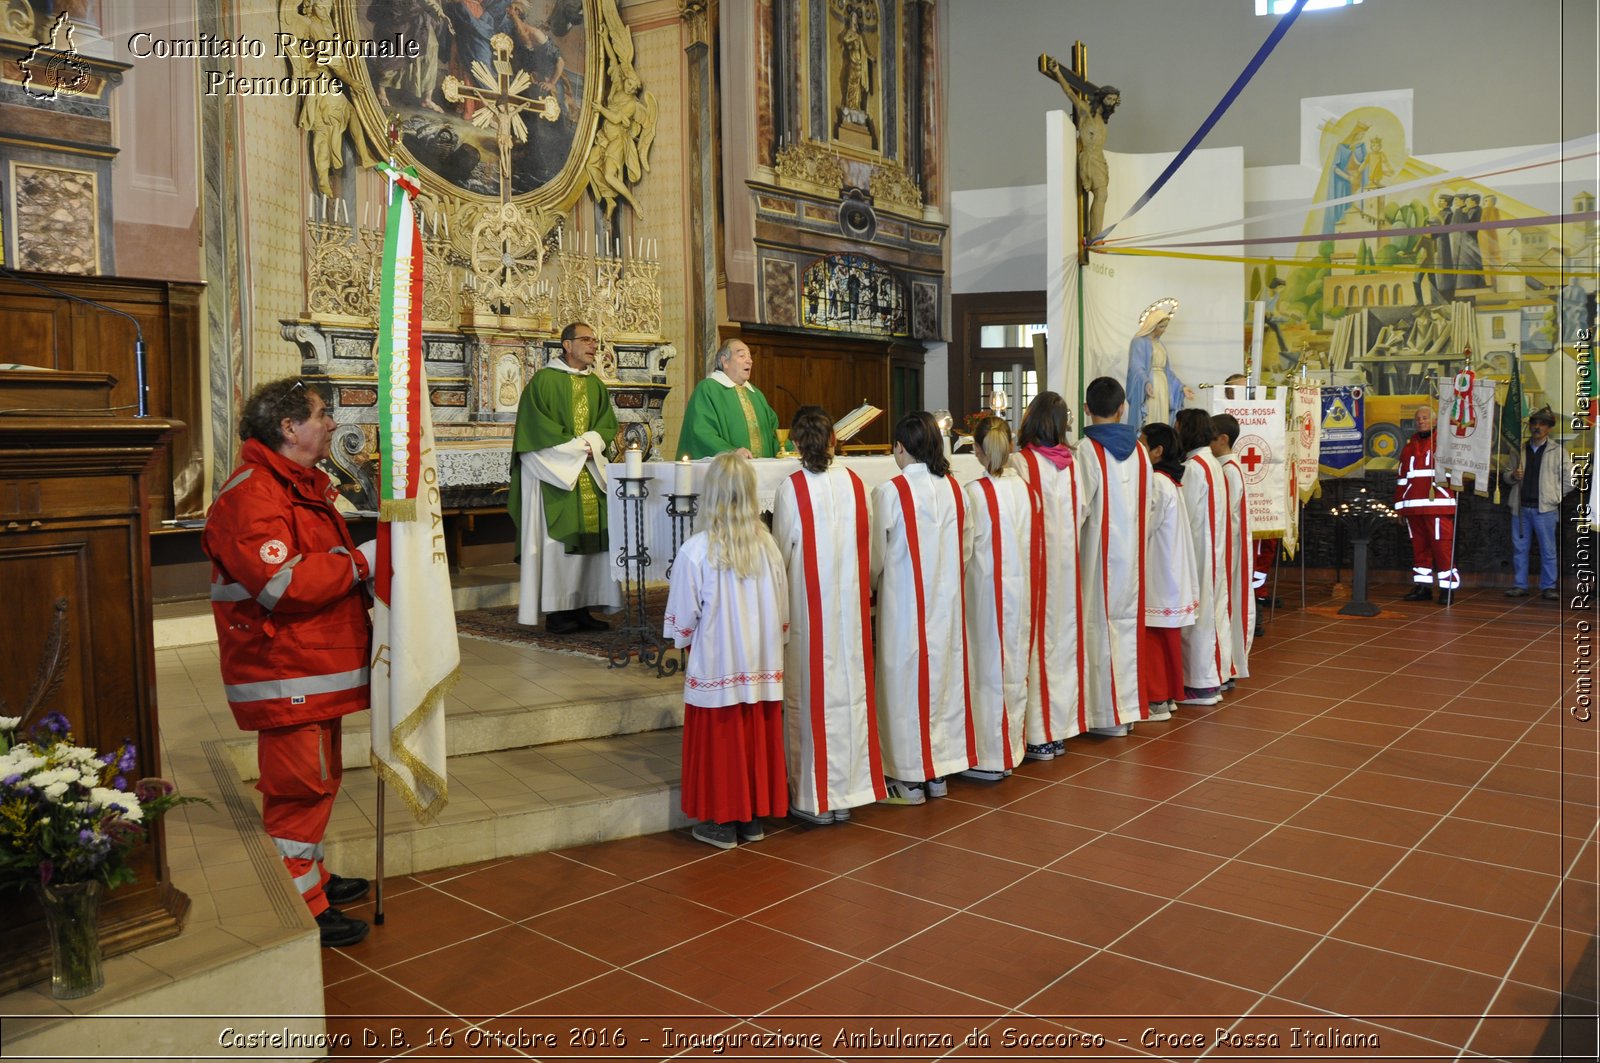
{"points": [[1091, 106]]}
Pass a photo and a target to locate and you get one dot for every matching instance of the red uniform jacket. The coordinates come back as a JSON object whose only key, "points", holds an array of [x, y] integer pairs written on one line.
{"points": [[1415, 493], [287, 595]]}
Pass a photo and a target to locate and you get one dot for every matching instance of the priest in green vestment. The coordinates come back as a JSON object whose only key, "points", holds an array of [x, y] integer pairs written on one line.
{"points": [[565, 426], [726, 412]]}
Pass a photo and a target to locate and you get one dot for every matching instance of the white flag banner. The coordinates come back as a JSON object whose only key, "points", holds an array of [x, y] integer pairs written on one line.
{"points": [[1307, 428], [416, 658], [1464, 440], [1262, 450]]}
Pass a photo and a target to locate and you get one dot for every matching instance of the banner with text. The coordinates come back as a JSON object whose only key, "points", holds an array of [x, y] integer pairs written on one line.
{"points": [[1262, 450], [1466, 432], [1342, 448]]}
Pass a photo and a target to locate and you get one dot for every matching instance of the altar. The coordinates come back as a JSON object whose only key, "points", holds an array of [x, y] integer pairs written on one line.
{"points": [[873, 469]]}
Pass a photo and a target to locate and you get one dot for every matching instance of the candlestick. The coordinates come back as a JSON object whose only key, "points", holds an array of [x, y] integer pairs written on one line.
{"points": [[683, 477], [633, 462]]}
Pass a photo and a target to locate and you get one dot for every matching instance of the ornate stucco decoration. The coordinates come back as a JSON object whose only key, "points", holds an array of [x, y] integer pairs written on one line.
{"points": [[895, 190], [810, 167]]}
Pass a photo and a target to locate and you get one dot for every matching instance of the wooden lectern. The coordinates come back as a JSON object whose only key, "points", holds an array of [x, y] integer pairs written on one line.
{"points": [[74, 529]]}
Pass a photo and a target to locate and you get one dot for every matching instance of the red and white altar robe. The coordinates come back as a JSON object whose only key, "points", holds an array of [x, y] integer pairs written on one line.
{"points": [[1116, 501], [920, 543], [1056, 661], [1208, 645], [1171, 591], [1000, 615], [1241, 568], [823, 529]]}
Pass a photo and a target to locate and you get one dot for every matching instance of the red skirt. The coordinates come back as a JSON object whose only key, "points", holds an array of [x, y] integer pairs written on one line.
{"points": [[1161, 666], [733, 762]]}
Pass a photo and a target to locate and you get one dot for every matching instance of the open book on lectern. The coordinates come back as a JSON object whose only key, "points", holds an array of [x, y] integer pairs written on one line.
{"points": [[853, 422]]}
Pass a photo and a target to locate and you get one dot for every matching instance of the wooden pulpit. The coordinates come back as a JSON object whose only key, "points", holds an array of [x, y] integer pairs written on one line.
{"points": [[75, 560]]}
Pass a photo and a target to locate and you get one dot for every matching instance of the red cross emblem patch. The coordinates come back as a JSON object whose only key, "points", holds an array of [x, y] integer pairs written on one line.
{"points": [[273, 552]]}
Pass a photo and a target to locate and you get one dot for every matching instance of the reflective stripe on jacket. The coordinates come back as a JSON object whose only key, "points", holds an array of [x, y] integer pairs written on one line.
{"points": [[1415, 491]]}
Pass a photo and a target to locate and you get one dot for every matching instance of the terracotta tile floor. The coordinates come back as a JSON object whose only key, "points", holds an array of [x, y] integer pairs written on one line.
{"points": [[1387, 833]]}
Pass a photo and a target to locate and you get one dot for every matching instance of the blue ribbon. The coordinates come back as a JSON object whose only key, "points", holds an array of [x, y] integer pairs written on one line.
{"points": [[1216, 114]]}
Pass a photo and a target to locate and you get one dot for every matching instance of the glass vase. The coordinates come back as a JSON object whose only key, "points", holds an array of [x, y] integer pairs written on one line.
{"points": [[72, 911]]}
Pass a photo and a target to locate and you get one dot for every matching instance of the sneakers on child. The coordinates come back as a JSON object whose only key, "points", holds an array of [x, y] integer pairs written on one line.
{"points": [[938, 788], [841, 815], [1160, 710], [904, 793], [1045, 751], [1119, 731], [816, 819], [1059, 747], [752, 831], [1227, 686], [720, 835], [1200, 696], [984, 774]]}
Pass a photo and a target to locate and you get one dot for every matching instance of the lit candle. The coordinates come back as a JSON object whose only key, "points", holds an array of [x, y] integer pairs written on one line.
{"points": [[633, 462], [683, 477]]}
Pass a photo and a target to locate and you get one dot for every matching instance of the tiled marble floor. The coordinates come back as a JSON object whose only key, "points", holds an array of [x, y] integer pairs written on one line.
{"points": [[1387, 832]]}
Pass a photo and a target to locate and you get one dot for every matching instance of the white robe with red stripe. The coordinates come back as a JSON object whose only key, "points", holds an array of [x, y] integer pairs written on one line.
{"points": [[1171, 589], [999, 615], [1116, 505], [823, 530], [1208, 645], [920, 545], [1056, 662], [1241, 568]]}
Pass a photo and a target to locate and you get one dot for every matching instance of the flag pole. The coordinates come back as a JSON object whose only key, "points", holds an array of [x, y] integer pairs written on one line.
{"points": [[377, 911]]}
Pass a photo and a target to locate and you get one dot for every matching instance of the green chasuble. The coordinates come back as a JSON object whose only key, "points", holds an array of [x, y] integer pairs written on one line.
{"points": [[716, 421], [558, 406]]}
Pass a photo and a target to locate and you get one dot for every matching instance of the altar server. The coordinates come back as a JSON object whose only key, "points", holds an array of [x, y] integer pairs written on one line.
{"points": [[1056, 662], [1111, 542], [729, 601], [999, 606], [823, 530], [920, 546], [1172, 591], [1208, 645], [1240, 551]]}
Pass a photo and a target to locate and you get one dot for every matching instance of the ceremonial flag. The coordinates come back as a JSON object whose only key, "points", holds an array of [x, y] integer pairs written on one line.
{"points": [[1262, 452], [1464, 441], [1342, 447], [1307, 429], [415, 657]]}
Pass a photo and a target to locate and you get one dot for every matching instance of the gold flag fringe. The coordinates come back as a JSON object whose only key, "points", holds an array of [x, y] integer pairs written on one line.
{"points": [[431, 702], [397, 510]]}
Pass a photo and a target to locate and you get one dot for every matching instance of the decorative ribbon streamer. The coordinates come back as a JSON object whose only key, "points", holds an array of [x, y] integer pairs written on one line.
{"points": [[399, 350], [1216, 114], [1372, 234], [1580, 148], [1263, 260]]}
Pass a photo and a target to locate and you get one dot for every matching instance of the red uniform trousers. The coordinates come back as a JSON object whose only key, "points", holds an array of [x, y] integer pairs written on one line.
{"points": [[1433, 541], [300, 773], [1266, 556]]}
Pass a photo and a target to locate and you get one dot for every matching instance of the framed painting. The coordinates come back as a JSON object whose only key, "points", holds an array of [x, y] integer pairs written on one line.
{"points": [[499, 99]]}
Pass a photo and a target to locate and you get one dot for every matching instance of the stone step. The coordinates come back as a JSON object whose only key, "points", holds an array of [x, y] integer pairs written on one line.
{"points": [[512, 802]]}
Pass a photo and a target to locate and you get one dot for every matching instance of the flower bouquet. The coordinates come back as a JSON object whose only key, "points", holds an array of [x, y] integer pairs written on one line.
{"points": [[67, 823]]}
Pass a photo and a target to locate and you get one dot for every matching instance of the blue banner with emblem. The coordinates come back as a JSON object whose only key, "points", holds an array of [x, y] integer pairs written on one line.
{"points": [[1342, 450]]}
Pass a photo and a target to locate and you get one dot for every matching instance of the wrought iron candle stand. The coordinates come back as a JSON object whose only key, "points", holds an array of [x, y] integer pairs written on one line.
{"points": [[635, 635], [682, 509], [1363, 515]]}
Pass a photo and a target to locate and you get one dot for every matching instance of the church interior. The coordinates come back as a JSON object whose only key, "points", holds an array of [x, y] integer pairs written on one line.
{"points": [[1383, 843]]}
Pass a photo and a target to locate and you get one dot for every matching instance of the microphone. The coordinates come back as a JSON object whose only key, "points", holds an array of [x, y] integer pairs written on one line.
{"points": [[789, 393], [138, 331]]}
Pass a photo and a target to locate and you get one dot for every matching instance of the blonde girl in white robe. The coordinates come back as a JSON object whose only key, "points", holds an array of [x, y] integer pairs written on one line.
{"points": [[729, 602], [1056, 661], [821, 523], [999, 603], [1208, 645], [920, 545]]}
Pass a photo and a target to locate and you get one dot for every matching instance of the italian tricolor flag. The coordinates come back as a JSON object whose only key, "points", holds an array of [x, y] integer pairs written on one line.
{"points": [[415, 655]]}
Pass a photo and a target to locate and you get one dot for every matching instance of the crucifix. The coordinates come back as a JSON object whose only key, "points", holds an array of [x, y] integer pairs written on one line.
{"points": [[502, 104], [1091, 106]]}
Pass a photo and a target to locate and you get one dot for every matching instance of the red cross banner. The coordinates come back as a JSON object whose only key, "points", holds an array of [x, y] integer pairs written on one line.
{"points": [[1263, 451]]}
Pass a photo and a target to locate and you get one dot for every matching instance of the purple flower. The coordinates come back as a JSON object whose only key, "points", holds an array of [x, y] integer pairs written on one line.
{"points": [[120, 782], [47, 871], [128, 758], [56, 724], [11, 780]]}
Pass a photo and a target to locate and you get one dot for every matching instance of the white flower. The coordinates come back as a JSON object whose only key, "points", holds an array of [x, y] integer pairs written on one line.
{"points": [[9, 723], [125, 803], [55, 791]]}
